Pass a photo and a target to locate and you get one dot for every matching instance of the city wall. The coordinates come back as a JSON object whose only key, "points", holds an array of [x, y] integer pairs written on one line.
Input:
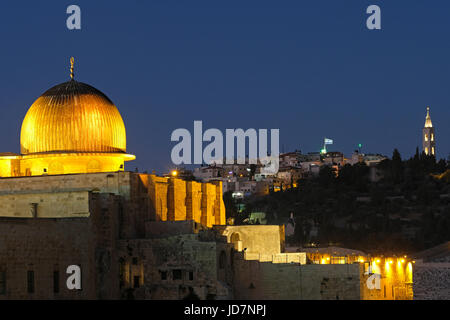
{"points": [[45, 247]]}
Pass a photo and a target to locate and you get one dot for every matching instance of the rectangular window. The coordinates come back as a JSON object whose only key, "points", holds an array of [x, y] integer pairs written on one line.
{"points": [[136, 281], [163, 275], [30, 281], [2, 282], [191, 275], [135, 261], [176, 274], [55, 281]]}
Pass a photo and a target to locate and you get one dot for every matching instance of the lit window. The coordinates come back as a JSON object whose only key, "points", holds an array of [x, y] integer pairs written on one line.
{"points": [[426, 137], [432, 150], [432, 137], [426, 150]]}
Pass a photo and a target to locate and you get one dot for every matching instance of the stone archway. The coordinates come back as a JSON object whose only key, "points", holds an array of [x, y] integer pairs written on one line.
{"points": [[236, 240]]}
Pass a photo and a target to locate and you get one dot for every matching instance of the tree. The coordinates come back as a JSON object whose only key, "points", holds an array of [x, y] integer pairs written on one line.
{"points": [[326, 175], [396, 167]]}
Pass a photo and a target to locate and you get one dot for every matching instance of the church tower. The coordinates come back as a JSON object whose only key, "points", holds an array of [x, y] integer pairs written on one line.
{"points": [[428, 138]]}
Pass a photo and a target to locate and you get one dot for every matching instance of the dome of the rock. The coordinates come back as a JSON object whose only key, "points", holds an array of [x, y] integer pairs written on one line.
{"points": [[73, 117], [71, 128]]}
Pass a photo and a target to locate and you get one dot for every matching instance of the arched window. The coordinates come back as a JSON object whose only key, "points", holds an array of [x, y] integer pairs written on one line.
{"points": [[236, 240]]}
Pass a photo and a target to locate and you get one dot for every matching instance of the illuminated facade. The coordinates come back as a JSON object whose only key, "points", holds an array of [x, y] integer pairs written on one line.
{"points": [[428, 137], [71, 128]]}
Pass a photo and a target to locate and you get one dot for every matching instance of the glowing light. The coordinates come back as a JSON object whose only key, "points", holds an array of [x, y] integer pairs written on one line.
{"points": [[174, 173], [402, 261], [409, 276], [377, 261]]}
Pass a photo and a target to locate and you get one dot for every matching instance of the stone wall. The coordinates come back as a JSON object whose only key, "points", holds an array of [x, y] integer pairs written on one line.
{"points": [[432, 281], [146, 197], [45, 204], [172, 199], [254, 280], [172, 267], [115, 182], [48, 245], [265, 239]]}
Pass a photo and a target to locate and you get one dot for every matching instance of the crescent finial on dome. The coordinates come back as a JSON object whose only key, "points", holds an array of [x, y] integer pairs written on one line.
{"points": [[72, 61]]}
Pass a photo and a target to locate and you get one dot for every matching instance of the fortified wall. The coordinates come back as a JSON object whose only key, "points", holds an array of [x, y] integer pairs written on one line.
{"points": [[50, 222], [147, 197]]}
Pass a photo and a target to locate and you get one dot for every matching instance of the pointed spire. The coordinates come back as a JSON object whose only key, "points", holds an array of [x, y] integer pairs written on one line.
{"points": [[72, 61], [428, 123]]}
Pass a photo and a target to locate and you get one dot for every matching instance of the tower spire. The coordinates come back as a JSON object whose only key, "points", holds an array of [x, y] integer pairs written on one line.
{"points": [[72, 61], [428, 138], [428, 123]]}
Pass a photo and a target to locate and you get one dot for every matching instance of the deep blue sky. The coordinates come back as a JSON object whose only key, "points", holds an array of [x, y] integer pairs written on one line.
{"points": [[309, 68]]}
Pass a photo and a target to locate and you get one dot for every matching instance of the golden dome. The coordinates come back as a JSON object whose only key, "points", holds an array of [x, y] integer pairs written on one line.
{"points": [[72, 117]]}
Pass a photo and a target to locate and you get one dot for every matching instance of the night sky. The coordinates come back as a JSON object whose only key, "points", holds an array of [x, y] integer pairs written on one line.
{"points": [[310, 68]]}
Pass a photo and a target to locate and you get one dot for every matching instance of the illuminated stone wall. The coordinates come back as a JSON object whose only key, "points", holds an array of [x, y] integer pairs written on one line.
{"points": [[172, 199], [254, 280], [117, 183], [147, 197], [70, 164], [264, 239], [56, 164], [45, 205], [395, 282]]}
